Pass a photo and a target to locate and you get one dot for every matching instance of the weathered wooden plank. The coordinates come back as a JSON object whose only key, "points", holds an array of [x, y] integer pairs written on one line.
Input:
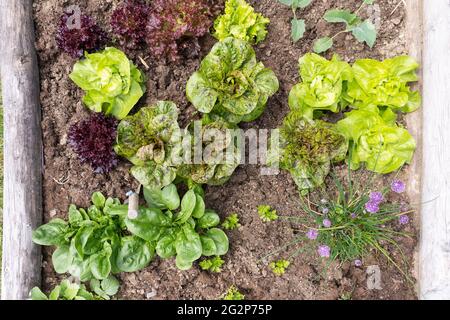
{"points": [[22, 208], [435, 233]]}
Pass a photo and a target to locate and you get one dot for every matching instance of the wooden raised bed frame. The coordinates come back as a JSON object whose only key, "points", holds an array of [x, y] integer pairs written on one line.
{"points": [[429, 42]]}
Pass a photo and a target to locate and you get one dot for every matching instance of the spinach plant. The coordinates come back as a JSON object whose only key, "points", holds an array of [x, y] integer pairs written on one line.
{"points": [[93, 243], [183, 229], [68, 290], [298, 26], [362, 30]]}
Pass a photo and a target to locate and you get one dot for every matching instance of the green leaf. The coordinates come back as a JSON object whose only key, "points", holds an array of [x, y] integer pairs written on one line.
{"points": [[187, 207], [365, 32], [208, 246], [110, 285], [287, 2], [220, 239], [165, 247], [170, 197], [52, 233], [100, 263], [188, 244], [323, 44], [149, 224], [369, 1], [208, 220], [55, 294], [340, 16], [62, 259], [98, 199], [69, 290], [37, 294], [300, 3], [199, 209], [298, 29], [134, 254], [75, 216]]}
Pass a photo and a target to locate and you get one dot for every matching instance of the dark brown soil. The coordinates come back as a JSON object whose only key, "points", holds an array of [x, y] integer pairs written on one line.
{"points": [[66, 181]]}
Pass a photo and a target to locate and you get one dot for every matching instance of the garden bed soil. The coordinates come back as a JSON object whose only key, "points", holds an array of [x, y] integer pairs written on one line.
{"points": [[66, 181]]}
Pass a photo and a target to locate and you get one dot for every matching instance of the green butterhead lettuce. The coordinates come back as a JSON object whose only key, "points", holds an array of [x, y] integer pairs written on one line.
{"points": [[323, 82], [241, 22], [149, 139], [384, 84], [306, 148], [383, 147], [113, 84], [231, 84]]}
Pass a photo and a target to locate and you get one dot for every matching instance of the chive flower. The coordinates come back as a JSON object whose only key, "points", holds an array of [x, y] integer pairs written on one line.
{"points": [[324, 251], [398, 186], [404, 219], [312, 234], [326, 223]]}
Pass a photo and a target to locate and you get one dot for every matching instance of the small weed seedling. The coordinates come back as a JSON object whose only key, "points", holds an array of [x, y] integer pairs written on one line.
{"points": [[233, 294], [266, 213], [212, 264], [362, 30], [231, 222]]}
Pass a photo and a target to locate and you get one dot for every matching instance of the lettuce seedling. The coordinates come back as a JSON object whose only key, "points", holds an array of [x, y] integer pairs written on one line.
{"points": [[75, 40], [384, 84], [92, 140], [220, 154], [240, 21], [92, 244], [212, 264], [181, 229], [383, 147], [279, 267], [233, 294], [266, 213], [174, 26], [306, 149], [113, 84], [231, 222], [362, 30], [322, 86], [149, 139], [231, 84]]}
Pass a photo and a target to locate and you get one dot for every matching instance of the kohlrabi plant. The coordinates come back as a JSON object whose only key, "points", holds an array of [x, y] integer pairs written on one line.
{"points": [[112, 83], [174, 27], [307, 149], [93, 139], [93, 243], [219, 157], [68, 290], [322, 86], [298, 26], [240, 21], [231, 83], [382, 145], [363, 30], [348, 221], [150, 139], [183, 229], [384, 84], [76, 39]]}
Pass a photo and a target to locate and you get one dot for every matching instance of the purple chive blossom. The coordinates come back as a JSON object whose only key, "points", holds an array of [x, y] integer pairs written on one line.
{"points": [[326, 223], [398, 186], [325, 210], [358, 263], [353, 215], [312, 234], [372, 207], [376, 197], [324, 251], [404, 219]]}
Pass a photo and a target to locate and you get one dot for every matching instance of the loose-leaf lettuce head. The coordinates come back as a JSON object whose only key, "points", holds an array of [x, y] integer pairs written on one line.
{"points": [[383, 147], [384, 84], [112, 83], [306, 148], [323, 82], [220, 155], [149, 139], [240, 21], [230, 83]]}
